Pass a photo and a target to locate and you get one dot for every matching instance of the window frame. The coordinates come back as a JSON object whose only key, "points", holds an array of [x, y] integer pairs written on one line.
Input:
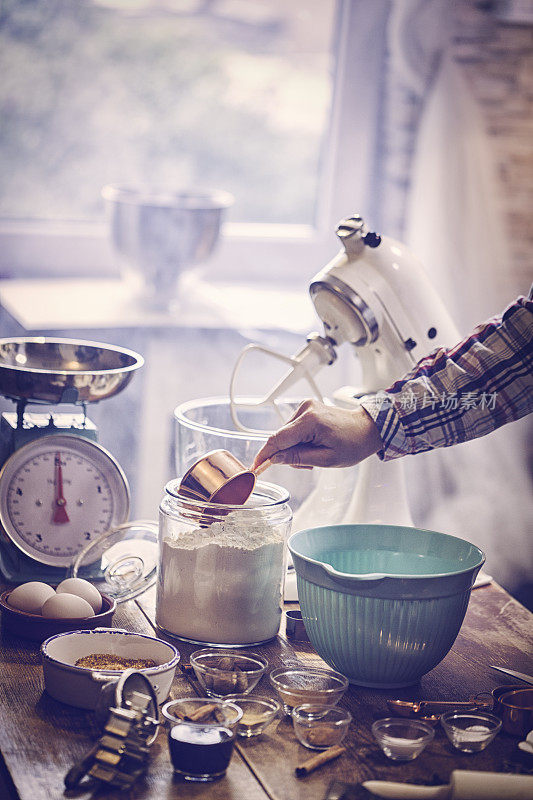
{"points": [[272, 252]]}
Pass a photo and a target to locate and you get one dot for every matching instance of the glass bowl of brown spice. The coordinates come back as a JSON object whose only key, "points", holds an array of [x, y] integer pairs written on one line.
{"points": [[257, 714], [224, 673], [319, 727]]}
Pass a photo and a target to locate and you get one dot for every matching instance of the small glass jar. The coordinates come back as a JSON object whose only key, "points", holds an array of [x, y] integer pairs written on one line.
{"points": [[222, 567]]}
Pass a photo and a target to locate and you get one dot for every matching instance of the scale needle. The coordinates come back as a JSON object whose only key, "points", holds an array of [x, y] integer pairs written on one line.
{"points": [[60, 512]]}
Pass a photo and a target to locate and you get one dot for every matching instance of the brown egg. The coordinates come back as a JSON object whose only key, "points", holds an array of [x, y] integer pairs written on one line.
{"points": [[83, 589], [67, 606], [30, 596]]}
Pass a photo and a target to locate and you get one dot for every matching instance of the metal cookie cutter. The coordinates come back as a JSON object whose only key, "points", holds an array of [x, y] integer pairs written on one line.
{"points": [[295, 626], [121, 754]]}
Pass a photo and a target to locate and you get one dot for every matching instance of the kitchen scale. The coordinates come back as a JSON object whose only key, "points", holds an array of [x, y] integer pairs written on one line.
{"points": [[60, 490]]}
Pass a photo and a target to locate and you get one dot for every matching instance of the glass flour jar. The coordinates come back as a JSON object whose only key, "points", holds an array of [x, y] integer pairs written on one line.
{"points": [[222, 567]]}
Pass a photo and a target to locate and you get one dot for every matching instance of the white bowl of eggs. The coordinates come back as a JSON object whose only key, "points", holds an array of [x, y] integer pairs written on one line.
{"points": [[35, 610]]}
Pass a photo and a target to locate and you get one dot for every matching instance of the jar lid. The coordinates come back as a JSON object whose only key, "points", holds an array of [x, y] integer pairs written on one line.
{"points": [[122, 562]]}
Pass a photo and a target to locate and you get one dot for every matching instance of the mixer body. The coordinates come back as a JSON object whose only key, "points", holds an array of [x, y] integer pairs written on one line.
{"points": [[374, 296]]}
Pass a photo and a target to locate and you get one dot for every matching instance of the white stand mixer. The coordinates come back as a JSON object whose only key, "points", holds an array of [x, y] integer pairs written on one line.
{"points": [[375, 296]]}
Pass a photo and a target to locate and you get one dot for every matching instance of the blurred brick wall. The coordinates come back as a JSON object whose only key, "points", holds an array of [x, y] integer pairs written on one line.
{"points": [[497, 61]]}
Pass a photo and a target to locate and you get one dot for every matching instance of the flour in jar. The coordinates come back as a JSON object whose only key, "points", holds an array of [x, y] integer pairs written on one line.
{"points": [[222, 584]]}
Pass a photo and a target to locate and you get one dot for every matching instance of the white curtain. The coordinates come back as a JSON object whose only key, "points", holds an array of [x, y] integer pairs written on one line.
{"points": [[455, 223], [480, 490], [417, 33]]}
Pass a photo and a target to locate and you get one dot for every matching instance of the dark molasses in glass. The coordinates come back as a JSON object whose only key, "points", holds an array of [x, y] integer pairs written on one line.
{"points": [[200, 752]]}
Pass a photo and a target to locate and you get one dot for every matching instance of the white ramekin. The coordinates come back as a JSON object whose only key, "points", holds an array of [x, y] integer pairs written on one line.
{"points": [[81, 686]]}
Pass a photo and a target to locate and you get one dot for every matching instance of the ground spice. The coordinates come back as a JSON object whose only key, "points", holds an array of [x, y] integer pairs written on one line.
{"points": [[110, 661], [322, 735]]}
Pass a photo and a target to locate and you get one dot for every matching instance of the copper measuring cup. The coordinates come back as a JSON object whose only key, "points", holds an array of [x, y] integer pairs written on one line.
{"points": [[515, 707], [219, 477]]}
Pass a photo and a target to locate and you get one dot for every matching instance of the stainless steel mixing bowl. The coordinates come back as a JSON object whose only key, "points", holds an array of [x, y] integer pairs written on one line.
{"points": [[157, 234], [43, 370]]}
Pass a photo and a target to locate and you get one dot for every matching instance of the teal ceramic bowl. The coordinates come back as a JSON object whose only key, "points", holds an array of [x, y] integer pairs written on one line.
{"points": [[383, 604]]}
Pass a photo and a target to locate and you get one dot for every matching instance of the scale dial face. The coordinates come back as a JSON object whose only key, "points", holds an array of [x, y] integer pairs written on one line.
{"points": [[58, 493]]}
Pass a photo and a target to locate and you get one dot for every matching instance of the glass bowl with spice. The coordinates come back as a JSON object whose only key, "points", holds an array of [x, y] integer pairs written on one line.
{"points": [[298, 685], [202, 710], [470, 731], [319, 727], [222, 673], [258, 714], [402, 739]]}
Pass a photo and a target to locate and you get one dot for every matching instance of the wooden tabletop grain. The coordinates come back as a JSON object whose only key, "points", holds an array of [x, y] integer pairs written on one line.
{"points": [[40, 738]]}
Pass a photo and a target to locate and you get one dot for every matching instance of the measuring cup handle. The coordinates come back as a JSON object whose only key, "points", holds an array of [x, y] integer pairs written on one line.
{"points": [[483, 700], [262, 467]]}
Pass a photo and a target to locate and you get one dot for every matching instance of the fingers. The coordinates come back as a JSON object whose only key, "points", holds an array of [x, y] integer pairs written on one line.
{"points": [[300, 430], [322, 436], [263, 454], [304, 456]]}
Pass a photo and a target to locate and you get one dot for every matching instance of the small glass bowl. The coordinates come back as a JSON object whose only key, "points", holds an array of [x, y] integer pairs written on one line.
{"points": [[402, 739], [470, 731], [298, 685], [319, 727], [224, 673], [201, 735], [216, 712], [258, 714]]}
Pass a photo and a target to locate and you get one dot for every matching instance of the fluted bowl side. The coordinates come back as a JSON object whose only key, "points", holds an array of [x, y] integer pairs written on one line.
{"points": [[383, 604]]}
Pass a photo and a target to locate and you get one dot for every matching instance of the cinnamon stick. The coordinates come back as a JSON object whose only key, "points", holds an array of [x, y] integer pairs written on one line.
{"points": [[321, 758], [201, 713]]}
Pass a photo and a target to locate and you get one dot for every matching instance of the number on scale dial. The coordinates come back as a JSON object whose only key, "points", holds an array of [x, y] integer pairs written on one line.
{"points": [[58, 493]]}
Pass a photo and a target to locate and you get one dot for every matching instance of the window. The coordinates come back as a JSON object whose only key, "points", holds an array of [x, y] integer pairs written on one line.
{"points": [[258, 98]]}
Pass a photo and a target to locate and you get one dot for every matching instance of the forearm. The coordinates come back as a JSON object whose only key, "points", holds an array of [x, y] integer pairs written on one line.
{"points": [[459, 394]]}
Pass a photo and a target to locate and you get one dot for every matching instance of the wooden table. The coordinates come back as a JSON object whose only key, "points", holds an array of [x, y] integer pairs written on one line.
{"points": [[41, 738]]}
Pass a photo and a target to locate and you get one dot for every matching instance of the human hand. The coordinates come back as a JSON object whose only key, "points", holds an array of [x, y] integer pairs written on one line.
{"points": [[322, 436]]}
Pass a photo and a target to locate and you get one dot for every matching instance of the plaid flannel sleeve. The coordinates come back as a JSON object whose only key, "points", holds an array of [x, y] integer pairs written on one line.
{"points": [[462, 393]]}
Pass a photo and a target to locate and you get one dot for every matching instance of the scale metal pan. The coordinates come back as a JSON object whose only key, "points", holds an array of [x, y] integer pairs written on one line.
{"points": [[42, 370]]}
